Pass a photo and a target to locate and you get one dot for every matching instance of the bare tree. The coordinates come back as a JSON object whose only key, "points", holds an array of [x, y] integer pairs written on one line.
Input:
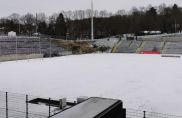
{"points": [[52, 18], [104, 13], [142, 10], [75, 15], [110, 14], [14, 17], [29, 22], [68, 15], [161, 9], [88, 13], [41, 17], [28, 19], [121, 12], [81, 14], [96, 13]]}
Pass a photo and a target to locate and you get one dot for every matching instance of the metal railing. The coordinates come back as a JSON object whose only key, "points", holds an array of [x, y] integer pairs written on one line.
{"points": [[27, 45], [14, 105], [133, 113]]}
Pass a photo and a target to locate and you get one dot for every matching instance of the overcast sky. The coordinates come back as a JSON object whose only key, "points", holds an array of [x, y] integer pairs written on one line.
{"points": [[8, 7]]}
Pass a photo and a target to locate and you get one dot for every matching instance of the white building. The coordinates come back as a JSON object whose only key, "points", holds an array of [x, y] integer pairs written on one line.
{"points": [[12, 34]]}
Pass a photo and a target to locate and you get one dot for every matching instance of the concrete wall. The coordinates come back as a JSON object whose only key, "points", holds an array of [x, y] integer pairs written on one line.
{"points": [[19, 57]]}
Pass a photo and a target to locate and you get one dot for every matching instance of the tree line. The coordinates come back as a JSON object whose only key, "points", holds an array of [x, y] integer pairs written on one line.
{"points": [[77, 24]]}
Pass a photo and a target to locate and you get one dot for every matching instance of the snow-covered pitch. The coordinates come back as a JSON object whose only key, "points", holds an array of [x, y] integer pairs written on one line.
{"points": [[148, 82]]}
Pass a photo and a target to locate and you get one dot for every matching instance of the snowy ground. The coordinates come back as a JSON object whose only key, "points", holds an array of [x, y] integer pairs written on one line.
{"points": [[147, 82]]}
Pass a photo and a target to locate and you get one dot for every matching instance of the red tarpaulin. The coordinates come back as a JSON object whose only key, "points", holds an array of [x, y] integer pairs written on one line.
{"points": [[150, 52]]}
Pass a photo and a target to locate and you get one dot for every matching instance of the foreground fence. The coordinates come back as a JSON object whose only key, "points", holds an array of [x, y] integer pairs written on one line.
{"points": [[19, 106], [133, 113], [14, 105]]}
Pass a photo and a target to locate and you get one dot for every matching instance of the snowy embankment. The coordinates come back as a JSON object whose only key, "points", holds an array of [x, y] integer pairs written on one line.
{"points": [[147, 82]]}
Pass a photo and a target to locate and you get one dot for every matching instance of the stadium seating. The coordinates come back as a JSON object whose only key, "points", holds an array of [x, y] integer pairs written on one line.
{"points": [[128, 46], [108, 42], [163, 47], [27, 45], [173, 48], [35, 45], [152, 45]]}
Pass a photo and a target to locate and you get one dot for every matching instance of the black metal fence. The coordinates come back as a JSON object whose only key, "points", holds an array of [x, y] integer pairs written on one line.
{"points": [[20, 106], [133, 113]]}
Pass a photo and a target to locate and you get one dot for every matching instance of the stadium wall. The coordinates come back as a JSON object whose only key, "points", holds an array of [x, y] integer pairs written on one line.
{"points": [[19, 57]]}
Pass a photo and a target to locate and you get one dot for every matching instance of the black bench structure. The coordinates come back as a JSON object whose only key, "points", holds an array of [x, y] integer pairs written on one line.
{"points": [[95, 108]]}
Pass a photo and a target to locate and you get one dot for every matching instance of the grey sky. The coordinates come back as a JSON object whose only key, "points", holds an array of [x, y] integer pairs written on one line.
{"points": [[8, 7]]}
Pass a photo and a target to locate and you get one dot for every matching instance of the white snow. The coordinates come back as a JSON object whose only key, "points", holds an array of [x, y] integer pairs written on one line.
{"points": [[147, 82]]}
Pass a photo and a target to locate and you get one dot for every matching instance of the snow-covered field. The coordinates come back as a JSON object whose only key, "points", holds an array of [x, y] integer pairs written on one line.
{"points": [[147, 82]]}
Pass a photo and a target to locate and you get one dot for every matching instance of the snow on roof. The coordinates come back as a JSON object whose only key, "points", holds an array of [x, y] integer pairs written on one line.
{"points": [[148, 82]]}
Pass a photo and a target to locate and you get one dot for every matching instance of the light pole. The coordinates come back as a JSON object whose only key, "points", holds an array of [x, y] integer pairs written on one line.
{"points": [[92, 20], [40, 45], [19, 28], [175, 25], [50, 48], [67, 34], [16, 49], [0, 48], [36, 28]]}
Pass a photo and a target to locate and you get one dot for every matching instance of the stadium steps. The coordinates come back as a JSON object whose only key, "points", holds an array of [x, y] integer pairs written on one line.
{"points": [[163, 44], [123, 47], [141, 46], [128, 46], [114, 49]]}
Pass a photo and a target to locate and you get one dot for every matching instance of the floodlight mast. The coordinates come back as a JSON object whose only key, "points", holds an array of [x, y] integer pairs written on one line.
{"points": [[36, 28], [92, 20]]}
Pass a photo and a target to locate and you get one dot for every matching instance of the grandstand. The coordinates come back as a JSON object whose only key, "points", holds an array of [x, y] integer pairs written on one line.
{"points": [[152, 45], [162, 37], [108, 42], [37, 45], [142, 46], [164, 43], [128, 46]]}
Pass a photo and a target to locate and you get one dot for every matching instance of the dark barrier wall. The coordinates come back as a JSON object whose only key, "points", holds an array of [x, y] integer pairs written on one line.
{"points": [[115, 111]]}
